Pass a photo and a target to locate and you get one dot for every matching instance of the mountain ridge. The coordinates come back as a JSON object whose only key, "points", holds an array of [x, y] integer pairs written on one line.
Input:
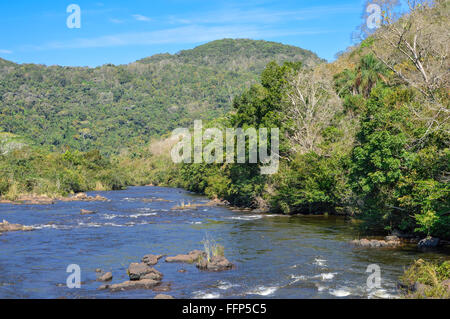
{"points": [[114, 107]]}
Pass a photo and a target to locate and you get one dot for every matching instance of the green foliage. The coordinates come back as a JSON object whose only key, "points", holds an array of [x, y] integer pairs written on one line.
{"points": [[431, 274], [399, 187], [111, 108], [32, 170], [311, 184]]}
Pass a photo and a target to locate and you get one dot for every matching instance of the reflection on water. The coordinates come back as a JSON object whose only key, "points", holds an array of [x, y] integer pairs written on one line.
{"points": [[275, 256]]}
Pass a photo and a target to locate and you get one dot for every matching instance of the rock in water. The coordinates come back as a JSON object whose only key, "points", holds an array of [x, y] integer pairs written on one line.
{"points": [[390, 241], [429, 242], [138, 271], [105, 277], [190, 258], [163, 288], [151, 260], [132, 284], [161, 296], [6, 227], [217, 263], [87, 212], [391, 238]]}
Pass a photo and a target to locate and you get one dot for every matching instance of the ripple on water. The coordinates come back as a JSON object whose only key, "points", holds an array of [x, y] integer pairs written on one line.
{"points": [[225, 285], [326, 276], [297, 278], [205, 295], [262, 291], [381, 294], [341, 292], [320, 262], [247, 217], [142, 215]]}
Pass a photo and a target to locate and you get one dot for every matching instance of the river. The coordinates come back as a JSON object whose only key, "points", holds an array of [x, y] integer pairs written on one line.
{"points": [[275, 256]]}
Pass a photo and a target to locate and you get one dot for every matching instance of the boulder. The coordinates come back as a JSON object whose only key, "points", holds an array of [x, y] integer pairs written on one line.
{"points": [[82, 197], [138, 271], [429, 242], [132, 284], [391, 238], [216, 263], [161, 296], [99, 198], [190, 258], [7, 227], [105, 277], [87, 212], [151, 260], [163, 288], [390, 241]]}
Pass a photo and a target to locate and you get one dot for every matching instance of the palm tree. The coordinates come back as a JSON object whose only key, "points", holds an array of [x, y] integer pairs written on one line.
{"points": [[369, 72]]}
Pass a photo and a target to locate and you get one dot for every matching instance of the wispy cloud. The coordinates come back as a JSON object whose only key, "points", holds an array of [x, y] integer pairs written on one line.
{"points": [[236, 21], [140, 17], [262, 15], [185, 34], [117, 21], [5, 51]]}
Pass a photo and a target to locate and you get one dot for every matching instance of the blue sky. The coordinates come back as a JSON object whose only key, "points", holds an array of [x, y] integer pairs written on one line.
{"points": [[121, 32]]}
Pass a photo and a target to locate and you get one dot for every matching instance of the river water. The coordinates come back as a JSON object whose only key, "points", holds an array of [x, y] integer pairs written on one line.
{"points": [[275, 256]]}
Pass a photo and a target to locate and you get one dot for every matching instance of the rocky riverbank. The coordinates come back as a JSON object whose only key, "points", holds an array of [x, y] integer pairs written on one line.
{"points": [[46, 200], [7, 227], [394, 241], [142, 275], [426, 280]]}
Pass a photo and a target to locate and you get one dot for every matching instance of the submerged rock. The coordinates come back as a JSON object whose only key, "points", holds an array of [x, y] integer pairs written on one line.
{"points": [[151, 260], [83, 197], [429, 242], [151, 200], [391, 238], [105, 277], [132, 284], [161, 296], [190, 258], [163, 288], [87, 212], [216, 263], [389, 241], [7, 227], [30, 200], [139, 271]]}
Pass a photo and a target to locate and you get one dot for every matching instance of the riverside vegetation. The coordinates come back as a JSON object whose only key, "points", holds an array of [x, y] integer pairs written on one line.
{"points": [[365, 136]]}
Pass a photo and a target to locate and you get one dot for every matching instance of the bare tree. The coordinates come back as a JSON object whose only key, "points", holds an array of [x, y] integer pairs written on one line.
{"points": [[415, 47], [312, 104]]}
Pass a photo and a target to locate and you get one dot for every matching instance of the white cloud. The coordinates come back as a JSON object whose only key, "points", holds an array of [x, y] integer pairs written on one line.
{"points": [[117, 21], [140, 17], [5, 51], [232, 22], [244, 16], [185, 34]]}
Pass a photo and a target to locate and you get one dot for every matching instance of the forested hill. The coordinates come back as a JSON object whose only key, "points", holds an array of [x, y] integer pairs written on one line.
{"points": [[112, 107]]}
